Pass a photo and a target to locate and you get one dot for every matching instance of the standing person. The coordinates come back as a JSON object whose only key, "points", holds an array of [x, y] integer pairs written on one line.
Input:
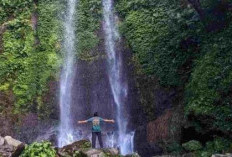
{"points": [[96, 128]]}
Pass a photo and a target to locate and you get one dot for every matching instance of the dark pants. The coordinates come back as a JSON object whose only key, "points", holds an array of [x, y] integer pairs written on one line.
{"points": [[94, 135]]}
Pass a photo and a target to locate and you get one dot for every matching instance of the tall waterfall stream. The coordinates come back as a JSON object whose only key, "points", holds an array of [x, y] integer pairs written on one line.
{"points": [[67, 76], [118, 83], [119, 87]]}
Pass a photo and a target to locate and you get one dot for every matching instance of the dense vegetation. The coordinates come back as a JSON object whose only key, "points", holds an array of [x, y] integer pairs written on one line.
{"points": [[187, 49], [26, 67], [30, 53], [185, 45], [88, 23]]}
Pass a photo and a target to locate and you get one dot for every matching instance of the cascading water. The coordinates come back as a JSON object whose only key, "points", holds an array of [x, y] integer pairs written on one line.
{"points": [[119, 87], [67, 75]]}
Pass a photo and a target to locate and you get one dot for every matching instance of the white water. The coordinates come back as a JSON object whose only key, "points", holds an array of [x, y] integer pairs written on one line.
{"points": [[67, 75], [118, 86]]}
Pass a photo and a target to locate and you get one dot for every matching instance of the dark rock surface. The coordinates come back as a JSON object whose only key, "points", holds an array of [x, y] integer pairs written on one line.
{"points": [[32, 129], [142, 146]]}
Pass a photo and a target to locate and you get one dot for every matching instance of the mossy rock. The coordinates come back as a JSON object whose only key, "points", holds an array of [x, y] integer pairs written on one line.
{"points": [[192, 145], [74, 148]]}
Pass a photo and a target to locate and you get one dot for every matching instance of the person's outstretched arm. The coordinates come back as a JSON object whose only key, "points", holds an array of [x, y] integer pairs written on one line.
{"points": [[108, 120], [82, 121]]}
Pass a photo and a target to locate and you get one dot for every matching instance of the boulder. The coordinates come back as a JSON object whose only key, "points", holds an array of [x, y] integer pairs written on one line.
{"points": [[10, 147], [13, 142], [94, 153], [73, 148], [2, 141], [18, 150], [6, 150], [111, 151], [101, 152]]}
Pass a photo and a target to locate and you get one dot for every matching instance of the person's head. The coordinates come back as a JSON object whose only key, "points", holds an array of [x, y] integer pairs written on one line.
{"points": [[95, 114]]}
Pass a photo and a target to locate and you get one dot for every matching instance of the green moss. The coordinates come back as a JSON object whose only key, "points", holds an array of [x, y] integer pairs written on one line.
{"points": [[86, 144], [192, 145]]}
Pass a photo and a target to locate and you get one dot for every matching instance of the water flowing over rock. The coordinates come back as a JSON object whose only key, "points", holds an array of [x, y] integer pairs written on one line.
{"points": [[117, 77], [67, 76]]}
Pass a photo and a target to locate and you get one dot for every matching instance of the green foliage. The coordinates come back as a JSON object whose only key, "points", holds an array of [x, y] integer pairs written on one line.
{"points": [[175, 148], [208, 92], [43, 149], [12, 8], [79, 154], [88, 18], [170, 43], [203, 154], [86, 144], [218, 145], [24, 68], [192, 145], [154, 35]]}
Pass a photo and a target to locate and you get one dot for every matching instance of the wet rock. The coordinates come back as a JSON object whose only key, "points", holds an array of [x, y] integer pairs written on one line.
{"points": [[142, 146], [101, 152], [49, 135], [83, 149], [94, 153], [111, 151]]}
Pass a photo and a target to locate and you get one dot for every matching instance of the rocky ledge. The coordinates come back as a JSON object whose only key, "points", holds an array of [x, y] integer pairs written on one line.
{"points": [[10, 147], [82, 149]]}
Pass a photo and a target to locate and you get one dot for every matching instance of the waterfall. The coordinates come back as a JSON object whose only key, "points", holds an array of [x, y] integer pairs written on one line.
{"points": [[118, 84], [67, 76]]}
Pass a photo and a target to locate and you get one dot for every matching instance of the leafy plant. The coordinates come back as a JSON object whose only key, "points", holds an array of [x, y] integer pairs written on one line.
{"points": [[43, 149]]}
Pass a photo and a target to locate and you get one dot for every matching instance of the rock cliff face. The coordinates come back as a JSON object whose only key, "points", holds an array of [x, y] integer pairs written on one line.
{"points": [[28, 127], [162, 120], [91, 92], [6, 119]]}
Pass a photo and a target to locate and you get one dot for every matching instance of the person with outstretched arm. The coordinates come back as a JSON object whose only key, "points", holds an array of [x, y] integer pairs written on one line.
{"points": [[96, 128]]}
